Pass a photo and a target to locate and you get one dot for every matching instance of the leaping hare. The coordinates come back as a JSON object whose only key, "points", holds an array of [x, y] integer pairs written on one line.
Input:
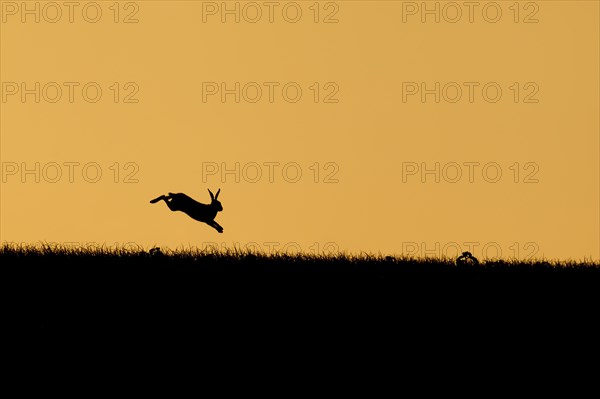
{"points": [[194, 209]]}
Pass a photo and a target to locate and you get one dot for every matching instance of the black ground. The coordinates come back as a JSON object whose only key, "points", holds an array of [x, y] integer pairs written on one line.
{"points": [[243, 301]]}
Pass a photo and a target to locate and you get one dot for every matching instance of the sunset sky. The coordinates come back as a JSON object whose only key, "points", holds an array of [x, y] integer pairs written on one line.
{"points": [[349, 125]]}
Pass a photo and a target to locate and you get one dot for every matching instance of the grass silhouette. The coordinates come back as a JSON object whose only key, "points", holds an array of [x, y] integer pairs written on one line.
{"points": [[231, 258]]}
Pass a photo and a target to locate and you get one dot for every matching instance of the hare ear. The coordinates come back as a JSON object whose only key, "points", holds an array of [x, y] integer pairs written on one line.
{"points": [[212, 197], [217, 196]]}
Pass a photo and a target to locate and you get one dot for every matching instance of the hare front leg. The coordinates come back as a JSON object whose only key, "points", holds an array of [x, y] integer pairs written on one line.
{"points": [[215, 225]]}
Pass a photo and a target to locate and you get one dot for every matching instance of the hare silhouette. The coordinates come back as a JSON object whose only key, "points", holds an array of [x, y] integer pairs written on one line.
{"points": [[204, 213]]}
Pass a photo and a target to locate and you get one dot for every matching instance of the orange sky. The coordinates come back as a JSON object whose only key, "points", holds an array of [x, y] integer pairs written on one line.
{"points": [[319, 124]]}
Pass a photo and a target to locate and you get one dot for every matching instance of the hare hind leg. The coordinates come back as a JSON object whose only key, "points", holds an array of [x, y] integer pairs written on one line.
{"points": [[155, 200], [173, 205]]}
